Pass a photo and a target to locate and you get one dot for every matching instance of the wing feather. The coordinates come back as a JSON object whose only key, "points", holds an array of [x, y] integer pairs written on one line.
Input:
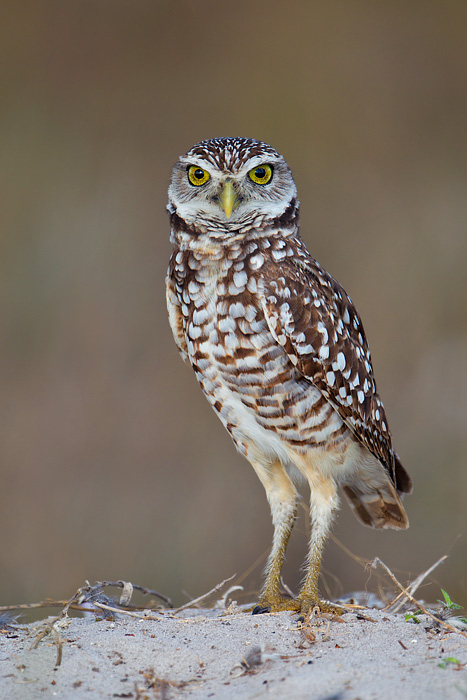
{"points": [[174, 308], [314, 319]]}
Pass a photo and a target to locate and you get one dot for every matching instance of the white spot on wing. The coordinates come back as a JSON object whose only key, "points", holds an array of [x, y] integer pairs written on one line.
{"points": [[240, 278], [306, 349], [256, 261], [341, 361], [278, 254], [199, 316], [194, 331], [252, 286], [321, 328], [226, 324], [237, 310]]}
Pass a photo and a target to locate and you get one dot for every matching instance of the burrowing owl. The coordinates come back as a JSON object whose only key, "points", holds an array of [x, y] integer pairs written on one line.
{"points": [[278, 349]]}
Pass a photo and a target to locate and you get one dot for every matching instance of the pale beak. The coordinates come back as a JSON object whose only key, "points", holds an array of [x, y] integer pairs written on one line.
{"points": [[228, 198]]}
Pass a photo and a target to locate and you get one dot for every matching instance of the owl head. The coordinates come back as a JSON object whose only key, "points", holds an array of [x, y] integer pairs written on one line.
{"points": [[230, 183]]}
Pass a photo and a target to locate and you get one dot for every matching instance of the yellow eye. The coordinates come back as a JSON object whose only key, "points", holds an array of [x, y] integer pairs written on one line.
{"points": [[197, 176], [261, 175]]}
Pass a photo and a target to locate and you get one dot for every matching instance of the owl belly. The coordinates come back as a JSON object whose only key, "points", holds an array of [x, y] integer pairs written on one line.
{"points": [[271, 411]]}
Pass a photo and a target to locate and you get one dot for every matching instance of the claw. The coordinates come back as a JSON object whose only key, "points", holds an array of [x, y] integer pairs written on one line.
{"points": [[258, 610]]}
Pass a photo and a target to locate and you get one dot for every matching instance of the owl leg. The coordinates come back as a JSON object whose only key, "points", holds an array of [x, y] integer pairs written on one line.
{"points": [[323, 501], [282, 498]]}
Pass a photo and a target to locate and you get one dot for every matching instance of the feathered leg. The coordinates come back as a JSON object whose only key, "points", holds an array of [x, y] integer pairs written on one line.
{"points": [[282, 497], [323, 501]]}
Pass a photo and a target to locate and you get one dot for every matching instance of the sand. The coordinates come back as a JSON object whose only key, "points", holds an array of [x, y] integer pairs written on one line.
{"points": [[223, 654]]}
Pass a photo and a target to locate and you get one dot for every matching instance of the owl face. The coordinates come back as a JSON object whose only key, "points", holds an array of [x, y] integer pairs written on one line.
{"points": [[229, 183]]}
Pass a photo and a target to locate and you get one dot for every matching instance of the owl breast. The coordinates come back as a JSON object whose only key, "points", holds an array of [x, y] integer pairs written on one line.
{"points": [[260, 397]]}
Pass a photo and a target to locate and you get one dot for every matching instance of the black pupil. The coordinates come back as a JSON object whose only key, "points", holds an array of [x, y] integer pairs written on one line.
{"points": [[199, 174], [260, 173]]}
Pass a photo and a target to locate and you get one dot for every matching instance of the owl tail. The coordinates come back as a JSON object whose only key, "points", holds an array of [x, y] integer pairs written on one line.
{"points": [[403, 480], [379, 508], [373, 496]]}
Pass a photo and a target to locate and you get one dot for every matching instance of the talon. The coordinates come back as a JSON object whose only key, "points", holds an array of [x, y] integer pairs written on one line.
{"points": [[308, 607], [258, 610]]}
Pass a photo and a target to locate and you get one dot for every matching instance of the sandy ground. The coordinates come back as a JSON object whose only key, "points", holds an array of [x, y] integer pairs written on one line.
{"points": [[232, 654]]}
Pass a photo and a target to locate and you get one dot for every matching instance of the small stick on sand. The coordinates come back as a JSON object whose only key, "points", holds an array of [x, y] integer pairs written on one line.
{"points": [[413, 600], [201, 598], [398, 602]]}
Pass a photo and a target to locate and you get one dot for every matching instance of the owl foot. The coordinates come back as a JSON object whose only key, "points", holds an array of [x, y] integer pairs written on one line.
{"points": [[304, 605], [275, 603], [308, 605]]}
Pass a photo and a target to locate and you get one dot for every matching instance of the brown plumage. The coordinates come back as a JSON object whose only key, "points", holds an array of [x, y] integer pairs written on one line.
{"points": [[278, 348]]}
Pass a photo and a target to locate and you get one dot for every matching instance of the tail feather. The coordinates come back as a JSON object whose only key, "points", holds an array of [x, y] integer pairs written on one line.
{"points": [[374, 493], [379, 508], [403, 480]]}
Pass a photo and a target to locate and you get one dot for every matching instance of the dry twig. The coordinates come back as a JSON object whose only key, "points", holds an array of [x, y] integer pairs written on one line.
{"points": [[129, 587], [201, 598], [413, 600], [54, 625], [142, 615], [287, 589], [398, 602], [31, 606], [88, 592]]}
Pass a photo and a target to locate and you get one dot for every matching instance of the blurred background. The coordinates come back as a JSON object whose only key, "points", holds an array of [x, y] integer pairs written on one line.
{"points": [[113, 466]]}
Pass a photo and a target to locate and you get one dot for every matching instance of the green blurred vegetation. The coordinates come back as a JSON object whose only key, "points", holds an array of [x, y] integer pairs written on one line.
{"points": [[112, 464]]}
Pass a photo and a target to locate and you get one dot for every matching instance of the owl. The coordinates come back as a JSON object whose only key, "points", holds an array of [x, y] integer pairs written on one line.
{"points": [[278, 349]]}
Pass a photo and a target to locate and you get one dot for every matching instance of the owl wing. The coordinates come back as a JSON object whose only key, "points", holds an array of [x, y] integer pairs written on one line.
{"points": [[313, 318], [174, 309]]}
